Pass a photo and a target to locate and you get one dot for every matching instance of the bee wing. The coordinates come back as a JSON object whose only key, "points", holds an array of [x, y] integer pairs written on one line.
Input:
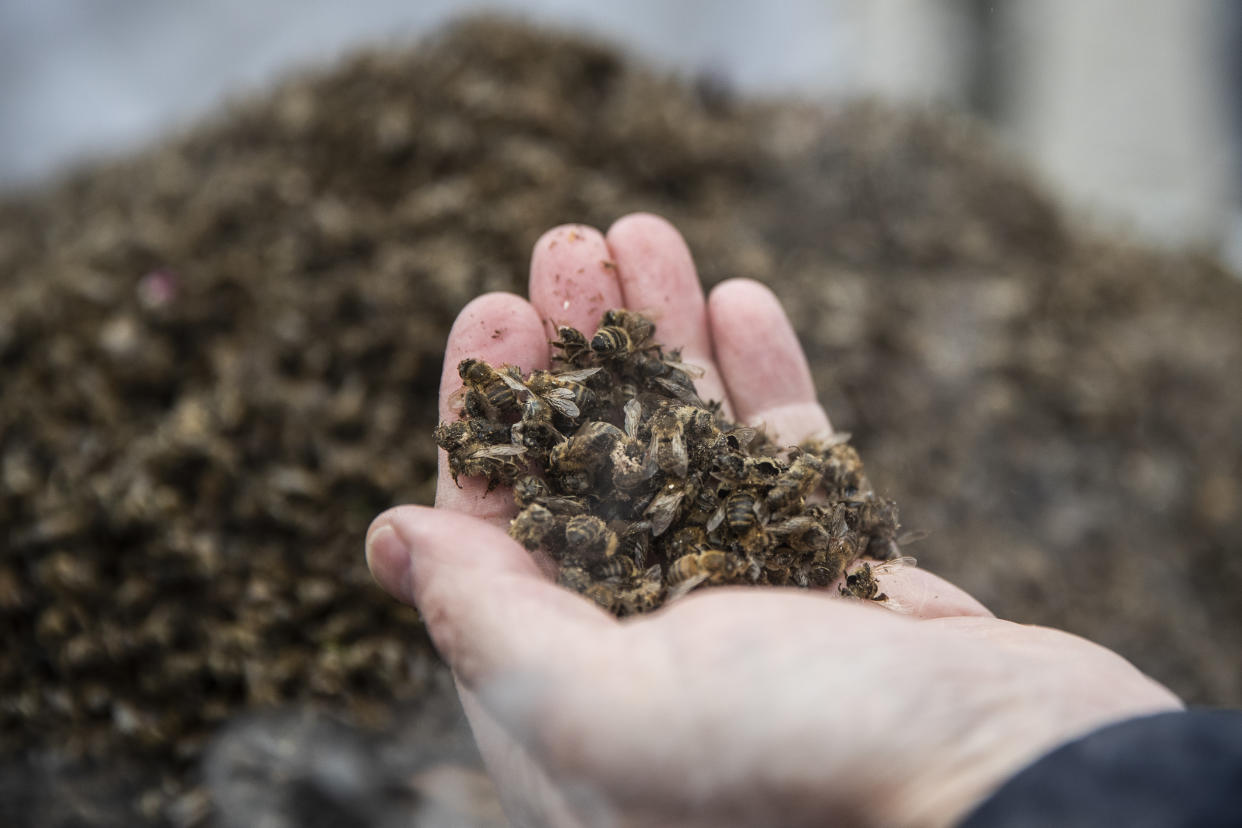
{"points": [[717, 517], [457, 400], [577, 376], [675, 461], [685, 586], [513, 382], [633, 416], [663, 508], [792, 525], [743, 435], [653, 448], [507, 450], [681, 460], [895, 563], [562, 399], [692, 371], [685, 393]]}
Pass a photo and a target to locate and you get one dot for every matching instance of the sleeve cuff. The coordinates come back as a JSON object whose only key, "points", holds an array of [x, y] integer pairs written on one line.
{"points": [[1170, 769]]}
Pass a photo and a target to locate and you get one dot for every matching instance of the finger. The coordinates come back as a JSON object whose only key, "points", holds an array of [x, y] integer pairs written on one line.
{"points": [[573, 279], [486, 605], [763, 366], [770, 383], [658, 278], [497, 328]]}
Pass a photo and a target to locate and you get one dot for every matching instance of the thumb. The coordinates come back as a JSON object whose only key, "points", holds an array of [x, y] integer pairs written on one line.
{"points": [[488, 608]]}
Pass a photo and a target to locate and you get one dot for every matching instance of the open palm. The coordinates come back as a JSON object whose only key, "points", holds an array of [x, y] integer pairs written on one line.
{"points": [[731, 706]]}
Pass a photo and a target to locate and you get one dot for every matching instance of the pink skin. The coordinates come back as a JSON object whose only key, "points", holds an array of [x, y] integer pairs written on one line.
{"points": [[731, 706]]}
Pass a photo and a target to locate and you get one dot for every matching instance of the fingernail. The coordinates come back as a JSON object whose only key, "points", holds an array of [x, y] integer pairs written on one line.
{"points": [[389, 560]]}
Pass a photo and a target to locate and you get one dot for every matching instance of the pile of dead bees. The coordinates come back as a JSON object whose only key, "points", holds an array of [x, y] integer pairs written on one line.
{"points": [[641, 492]]}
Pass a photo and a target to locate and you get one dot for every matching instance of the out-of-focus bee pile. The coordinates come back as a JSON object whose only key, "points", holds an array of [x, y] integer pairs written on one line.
{"points": [[640, 491], [220, 358]]}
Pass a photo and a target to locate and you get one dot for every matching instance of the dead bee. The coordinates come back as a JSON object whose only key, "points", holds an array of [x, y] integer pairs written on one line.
{"points": [[624, 391], [827, 563], [612, 342], [606, 593], [471, 430], [688, 540], [664, 507], [862, 583], [736, 469], [729, 467], [667, 448], [738, 439], [529, 489], [761, 470], [622, 333], [876, 519], [470, 403], [791, 488], [631, 468], [470, 455], [538, 436], [533, 525], [706, 502], [668, 375], [802, 534], [645, 596], [596, 446], [572, 464], [742, 515], [635, 542], [739, 513], [563, 392], [537, 430], [843, 469], [574, 577], [575, 349], [589, 538], [496, 387], [711, 566], [594, 442], [616, 566]]}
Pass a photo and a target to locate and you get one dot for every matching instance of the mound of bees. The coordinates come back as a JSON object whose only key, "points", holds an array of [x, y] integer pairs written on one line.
{"points": [[640, 491]]}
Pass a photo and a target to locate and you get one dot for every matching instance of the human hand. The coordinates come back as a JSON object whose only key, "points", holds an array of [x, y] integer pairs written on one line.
{"points": [[732, 705]]}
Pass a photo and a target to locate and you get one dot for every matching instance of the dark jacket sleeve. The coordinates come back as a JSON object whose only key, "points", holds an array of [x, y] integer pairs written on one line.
{"points": [[1171, 769]]}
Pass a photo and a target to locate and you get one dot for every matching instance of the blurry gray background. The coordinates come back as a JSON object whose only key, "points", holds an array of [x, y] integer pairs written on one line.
{"points": [[1124, 107]]}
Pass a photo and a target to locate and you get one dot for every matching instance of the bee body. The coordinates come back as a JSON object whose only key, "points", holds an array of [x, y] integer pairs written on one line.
{"points": [[712, 566], [789, 491], [589, 538], [488, 382], [741, 511]]}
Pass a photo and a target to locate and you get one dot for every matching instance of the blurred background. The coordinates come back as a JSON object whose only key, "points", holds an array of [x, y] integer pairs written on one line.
{"points": [[1125, 107], [233, 237]]}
